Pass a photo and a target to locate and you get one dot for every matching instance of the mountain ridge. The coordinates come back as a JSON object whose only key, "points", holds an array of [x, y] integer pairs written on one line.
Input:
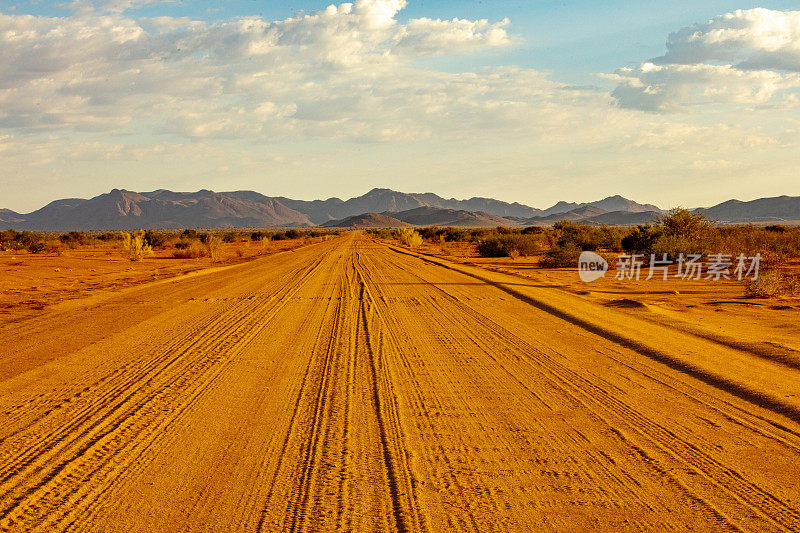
{"points": [[121, 209]]}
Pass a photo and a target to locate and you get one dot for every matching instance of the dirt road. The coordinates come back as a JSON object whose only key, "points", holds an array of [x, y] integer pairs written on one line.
{"points": [[349, 386]]}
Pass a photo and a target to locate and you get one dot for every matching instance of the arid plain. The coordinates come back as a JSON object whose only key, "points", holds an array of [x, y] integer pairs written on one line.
{"points": [[352, 385]]}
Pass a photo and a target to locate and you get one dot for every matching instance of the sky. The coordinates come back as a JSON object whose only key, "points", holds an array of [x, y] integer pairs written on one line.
{"points": [[676, 104]]}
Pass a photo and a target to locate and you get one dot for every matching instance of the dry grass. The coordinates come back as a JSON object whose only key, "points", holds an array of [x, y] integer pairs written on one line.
{"points": [[772, 284], [409, 237], [135, 247], [214, 247]]}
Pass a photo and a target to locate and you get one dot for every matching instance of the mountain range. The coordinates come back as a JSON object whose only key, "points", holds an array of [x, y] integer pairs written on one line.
{"points": [[127, 210]]}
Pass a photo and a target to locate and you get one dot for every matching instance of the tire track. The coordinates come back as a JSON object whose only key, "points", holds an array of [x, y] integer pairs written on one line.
{"points": [[727, 480], [98, 433]]}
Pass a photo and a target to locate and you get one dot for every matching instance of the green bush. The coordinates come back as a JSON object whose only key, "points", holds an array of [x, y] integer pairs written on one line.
{"points": [[509, 244], [642, 239], [533, 230], [192, 250], [562, 256], [777, 228], [73, 239], [36, 247], [154, 239], [674, 246], [682, 223], [19, 240]]}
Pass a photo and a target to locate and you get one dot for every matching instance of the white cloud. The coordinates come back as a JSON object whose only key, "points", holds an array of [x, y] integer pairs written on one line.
{"points": [[748, 57], [755, 39], [327, 72]]}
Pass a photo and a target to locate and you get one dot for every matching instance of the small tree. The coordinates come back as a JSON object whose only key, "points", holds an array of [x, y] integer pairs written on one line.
{"points": [[684, 224]]}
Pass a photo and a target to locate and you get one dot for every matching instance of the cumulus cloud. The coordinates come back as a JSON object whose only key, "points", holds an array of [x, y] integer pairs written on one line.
{"points": [[337, 71], [755, 39], [748, 57]]}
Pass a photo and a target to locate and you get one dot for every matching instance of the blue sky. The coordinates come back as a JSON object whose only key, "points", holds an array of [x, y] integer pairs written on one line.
{"points": [[559, 102], [574, 39]]}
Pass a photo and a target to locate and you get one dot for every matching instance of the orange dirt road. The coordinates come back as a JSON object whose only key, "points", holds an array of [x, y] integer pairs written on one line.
{"points": [[351, 386]]}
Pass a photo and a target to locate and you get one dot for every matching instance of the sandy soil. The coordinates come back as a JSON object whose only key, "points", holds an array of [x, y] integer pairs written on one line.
{"points": [[31, 282], [354, 386], [710, 309]]}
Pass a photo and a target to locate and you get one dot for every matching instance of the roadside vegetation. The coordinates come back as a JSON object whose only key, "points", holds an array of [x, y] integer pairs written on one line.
{"points": [[216, 245], [678, 233]]}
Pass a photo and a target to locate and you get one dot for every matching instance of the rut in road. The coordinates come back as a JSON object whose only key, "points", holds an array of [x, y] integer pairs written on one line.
{"points": [[346, 387]]}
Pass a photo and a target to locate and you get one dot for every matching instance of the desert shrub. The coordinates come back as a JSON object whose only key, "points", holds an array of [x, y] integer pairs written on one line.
{"points": [[36, 247], [184, 244], [456, 235], [230, 236], [279, 236], [258, 235], [107, 236], [562, 256], [54, 248], [19, 240], [772, 283], [293, 234], [476, 235], [430, 233], [492, 247], [682, 223], [532, 230], [642, 239], [8, 240], [134, 246], [192, 250], [189, 234], [73, 239], [264, 244], [674, 246], [583, 236], [509, 244], [409, 237], [777, 228], [502, 230], [154, 239], [610, 238], [213, 244], [776, 247], [379, 233]]}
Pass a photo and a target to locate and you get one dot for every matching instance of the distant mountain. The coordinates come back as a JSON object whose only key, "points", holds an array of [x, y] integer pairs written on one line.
{"points": [[123, 210], [423, 216], [431, 216], [126, 210], [776, 209], [386, 200], [367, 220], [7, 216], [624, 218], [610, 204], [577, 214], [591, 214], [560, 207]]}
